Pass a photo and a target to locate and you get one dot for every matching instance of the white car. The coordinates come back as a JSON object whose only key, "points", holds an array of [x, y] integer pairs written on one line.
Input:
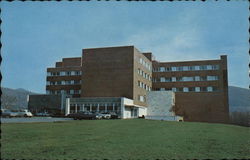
{"points": [[24, 113], [105, 115]]}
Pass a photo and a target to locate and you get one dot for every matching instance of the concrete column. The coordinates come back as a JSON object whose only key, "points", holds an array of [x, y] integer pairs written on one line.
{"points": [[98, 105], [75, 108], [90, 108], [67, 107], [113, 107], [105, 107], [83, 107]]}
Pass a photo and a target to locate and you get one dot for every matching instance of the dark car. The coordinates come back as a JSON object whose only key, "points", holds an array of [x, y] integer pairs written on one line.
{"points": [[82, 115]]}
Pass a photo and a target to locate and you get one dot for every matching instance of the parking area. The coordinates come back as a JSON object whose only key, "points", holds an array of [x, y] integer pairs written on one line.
{"points": [[33, 119]]}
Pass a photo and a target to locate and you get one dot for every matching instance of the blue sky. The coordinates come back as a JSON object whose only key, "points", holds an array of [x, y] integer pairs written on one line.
{"points": [[37, 34]]}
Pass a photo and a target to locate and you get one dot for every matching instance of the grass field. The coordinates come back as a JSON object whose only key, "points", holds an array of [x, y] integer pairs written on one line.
{"points": [[124, 139]]}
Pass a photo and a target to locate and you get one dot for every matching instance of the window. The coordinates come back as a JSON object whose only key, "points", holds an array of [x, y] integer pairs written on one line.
{"points": [[178, 79], [185, 68], [48, 92], [173, 68], [63, 82], [204, 67], [180, 89], [180, 68], [72, 82], [68, 73], [197, 89], [139, 83], [63, 91], [141, 98], [71, 91], [162, 69], [203, 78], [191, 68], [197, 78], [215, 67], [139, 71], [174, 89], [212, 78], [188, 78], [209, 67], [203, 89], [215, 88], [210, 89], [48, 83], [185, 89], [168, 79], [168, 69], [191, 89], [173, 79], [49, 74], [162, 79], [197, 68], [162, 89], [59, 82]]}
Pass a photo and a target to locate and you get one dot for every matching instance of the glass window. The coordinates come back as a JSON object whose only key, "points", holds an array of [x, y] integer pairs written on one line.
{"points": [[191, 89], [191, 68], [197, 89], [209, 67], [168, 69], [173, 68], [63, 82], [203, 67], [188, 78], [48, 73], [180, 89], [174, 89], [185, 68], [162, 69], [48, 92], [197, 78], [197, 68], [203, 78], [178, 79], [162, 79], [59, 82], [71, 91], [203, 89], [215, 67], [139, 83], [173, 79], [210, 89], [185, 89], [215, 88], [168, 79], [48, 83], [180, 68], [162, 89]]}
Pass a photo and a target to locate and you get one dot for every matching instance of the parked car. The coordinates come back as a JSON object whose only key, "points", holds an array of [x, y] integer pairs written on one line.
{"points": [[42, 114], [8, 113], [82, 115], [113, 115], [24, 113], [105, 115]]}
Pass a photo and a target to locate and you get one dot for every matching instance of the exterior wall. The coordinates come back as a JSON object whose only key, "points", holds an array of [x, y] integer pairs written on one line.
{"points": [[67, 65], [41, 103], [144, 78], [197, 106], [160, 103], [108, 72]]}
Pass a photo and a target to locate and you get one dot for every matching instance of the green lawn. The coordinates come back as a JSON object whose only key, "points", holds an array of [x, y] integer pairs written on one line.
{"points": [[124, 139]]}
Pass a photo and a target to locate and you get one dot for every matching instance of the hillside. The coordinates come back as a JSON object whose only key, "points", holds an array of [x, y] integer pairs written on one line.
{"points": [[239, 99], [14, 98]]}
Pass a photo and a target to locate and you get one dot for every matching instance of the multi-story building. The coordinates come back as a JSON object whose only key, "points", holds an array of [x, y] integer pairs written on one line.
{"points": [[102, 76], [201, 88], [65, 77]]}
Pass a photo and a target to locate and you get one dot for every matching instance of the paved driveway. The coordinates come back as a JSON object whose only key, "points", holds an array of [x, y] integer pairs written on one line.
{"points": [[33, 119]]}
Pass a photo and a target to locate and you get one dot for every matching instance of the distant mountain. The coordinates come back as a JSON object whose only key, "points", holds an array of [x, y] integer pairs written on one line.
{"points": [[239, 99], [14, 98]]}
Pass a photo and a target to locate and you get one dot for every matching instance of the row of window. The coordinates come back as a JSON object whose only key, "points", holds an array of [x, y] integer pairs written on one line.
{"points": [[145, 64], [190, 89], [186, 68], [144, 86], [70, 82], [63, 91], [186, 79], [65, 73], [143, 74]]}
